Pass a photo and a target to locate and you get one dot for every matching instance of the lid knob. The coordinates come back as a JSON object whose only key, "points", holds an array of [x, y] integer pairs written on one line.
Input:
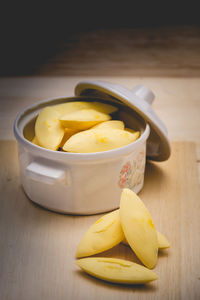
{"points": [[144, 93]]}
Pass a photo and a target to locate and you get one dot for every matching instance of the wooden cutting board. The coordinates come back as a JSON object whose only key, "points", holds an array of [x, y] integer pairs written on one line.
{"points": [[37, 247]]}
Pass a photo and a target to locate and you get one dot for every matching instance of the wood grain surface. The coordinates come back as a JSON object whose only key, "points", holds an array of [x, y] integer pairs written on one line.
{"points": [[156, 51], [37, 247]]}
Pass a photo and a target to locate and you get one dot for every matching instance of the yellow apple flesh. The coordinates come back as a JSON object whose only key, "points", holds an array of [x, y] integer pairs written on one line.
{"points": [[48, 129], [138, 228], [104, 234], [98, 140], [83, 119], [116, 270]]}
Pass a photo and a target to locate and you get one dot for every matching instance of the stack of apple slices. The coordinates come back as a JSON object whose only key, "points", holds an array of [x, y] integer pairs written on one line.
{"points": [[81, 127], [130, 224]]}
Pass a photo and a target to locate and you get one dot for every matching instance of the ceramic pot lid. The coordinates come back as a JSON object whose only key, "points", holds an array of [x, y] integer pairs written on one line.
{"points": [[140, 100]]}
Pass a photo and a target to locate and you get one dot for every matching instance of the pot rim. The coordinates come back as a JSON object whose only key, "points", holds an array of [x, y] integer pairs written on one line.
{"points": [[47, 153]]}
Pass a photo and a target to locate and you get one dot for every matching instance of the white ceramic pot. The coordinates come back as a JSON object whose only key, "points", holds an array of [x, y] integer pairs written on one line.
{"points": [[73, 183]]}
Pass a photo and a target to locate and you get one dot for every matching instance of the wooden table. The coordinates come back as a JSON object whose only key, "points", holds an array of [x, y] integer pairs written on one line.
{"points": [[37, 247]]}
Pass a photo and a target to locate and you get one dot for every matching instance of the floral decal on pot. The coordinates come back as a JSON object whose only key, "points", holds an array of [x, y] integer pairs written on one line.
{"points": [[132, 174]]}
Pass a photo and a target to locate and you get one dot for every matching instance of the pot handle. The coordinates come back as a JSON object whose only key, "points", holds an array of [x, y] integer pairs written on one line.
{"points": [[45, 172]]}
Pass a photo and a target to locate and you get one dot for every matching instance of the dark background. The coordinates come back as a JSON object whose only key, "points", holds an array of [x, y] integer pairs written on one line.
{"points": [[31, 33]]}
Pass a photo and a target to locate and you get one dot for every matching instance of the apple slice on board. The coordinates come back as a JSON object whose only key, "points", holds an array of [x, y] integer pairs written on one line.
{"points": [[138, 228], [116, 270], [104, 234]]}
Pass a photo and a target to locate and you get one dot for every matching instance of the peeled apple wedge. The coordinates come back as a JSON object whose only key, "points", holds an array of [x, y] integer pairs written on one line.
{"points": [[116, 270], [69, 107], [35, 141], [110, 124], [131, 130], [48, 129], [104, 234], [136, 133], [83, 119], [162, 241], [98, 140], [103, 107], [138, 228], [68, 133]]}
